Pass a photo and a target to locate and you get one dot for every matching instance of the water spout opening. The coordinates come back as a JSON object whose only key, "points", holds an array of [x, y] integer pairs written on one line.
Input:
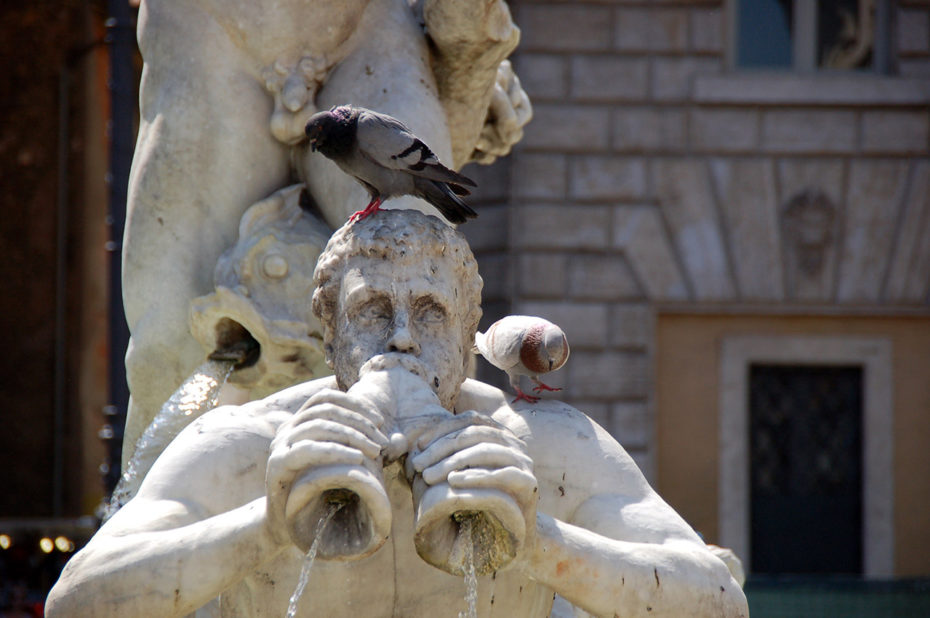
{"points": [[350, 531], [342, 497], [489, 545], [235, 343]]}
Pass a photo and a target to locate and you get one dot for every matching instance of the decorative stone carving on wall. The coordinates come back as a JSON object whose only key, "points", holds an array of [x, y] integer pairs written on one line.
{"points": [[808, 223]]}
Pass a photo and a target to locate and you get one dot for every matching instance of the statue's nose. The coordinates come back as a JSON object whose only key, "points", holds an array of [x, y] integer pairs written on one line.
{"points": [[401, 338]]}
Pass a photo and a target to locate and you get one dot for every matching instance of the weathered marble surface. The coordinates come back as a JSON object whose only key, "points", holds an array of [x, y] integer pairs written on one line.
{"points": [[215, 515]]}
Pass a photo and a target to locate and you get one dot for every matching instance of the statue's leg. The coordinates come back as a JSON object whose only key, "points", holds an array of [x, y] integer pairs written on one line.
{"points": [[204, 154], [389, 72]]}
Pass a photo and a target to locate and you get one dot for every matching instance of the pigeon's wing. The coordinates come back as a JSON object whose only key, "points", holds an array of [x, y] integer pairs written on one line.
{"points": [[500, 345], [389, 143]]}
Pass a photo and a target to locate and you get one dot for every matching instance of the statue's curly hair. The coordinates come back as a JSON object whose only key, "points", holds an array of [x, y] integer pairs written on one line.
{"points": [[396, 235]]}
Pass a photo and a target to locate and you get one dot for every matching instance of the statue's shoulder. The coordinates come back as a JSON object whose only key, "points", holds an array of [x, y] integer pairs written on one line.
{"points": [[562, 440], [262, 415], [290, 399], [481, 397], [553, 424], [547, 422]]}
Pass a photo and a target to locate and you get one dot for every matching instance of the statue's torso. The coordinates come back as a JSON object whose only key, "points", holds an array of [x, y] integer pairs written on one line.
{"points": [[395, 581], [272, 30]]}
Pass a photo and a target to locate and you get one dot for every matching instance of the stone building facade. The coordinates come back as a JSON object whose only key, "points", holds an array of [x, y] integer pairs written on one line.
{"points": [[677, 212]]}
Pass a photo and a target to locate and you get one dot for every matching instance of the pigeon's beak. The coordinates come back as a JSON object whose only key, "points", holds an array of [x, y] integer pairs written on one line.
{"points": [[312, 145]]}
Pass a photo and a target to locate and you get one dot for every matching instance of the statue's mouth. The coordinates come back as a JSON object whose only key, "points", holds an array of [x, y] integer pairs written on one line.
{"points": [[235, 343]]}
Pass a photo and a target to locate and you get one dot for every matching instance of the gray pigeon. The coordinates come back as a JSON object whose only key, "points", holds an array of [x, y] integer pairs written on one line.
{"points": [[382, 154], [524, 345]]}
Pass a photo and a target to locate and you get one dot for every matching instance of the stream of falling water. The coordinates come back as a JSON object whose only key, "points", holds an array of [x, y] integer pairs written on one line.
{"points": [[325, 518], [471, 577], [198, 394]]}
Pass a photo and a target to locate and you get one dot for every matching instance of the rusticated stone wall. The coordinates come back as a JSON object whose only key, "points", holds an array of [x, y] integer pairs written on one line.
{"points": [[654, 175]]}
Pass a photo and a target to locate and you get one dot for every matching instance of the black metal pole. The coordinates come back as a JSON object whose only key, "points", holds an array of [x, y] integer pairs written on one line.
{"points": [[121, 40], [61, 290]]}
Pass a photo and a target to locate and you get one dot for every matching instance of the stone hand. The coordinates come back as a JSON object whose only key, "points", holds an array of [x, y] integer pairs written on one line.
{"points": [[508, 112], [471, 451], [333, 429]]}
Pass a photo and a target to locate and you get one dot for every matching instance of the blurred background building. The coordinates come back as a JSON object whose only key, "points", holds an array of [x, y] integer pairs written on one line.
{"points": [[724, 203]]}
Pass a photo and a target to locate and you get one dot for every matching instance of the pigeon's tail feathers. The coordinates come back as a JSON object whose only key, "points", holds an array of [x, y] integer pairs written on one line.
{"points": [[443, 197], [480, 344], [459, 179], [458, 189], [434, 170]]}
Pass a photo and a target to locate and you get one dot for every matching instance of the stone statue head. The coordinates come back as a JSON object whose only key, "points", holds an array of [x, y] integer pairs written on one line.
{"points": [[399, 281]]}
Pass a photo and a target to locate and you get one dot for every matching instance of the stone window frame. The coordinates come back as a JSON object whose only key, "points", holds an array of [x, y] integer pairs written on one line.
{"points": [[874, 355], [817, 89], [804, 39], [805, 86]]}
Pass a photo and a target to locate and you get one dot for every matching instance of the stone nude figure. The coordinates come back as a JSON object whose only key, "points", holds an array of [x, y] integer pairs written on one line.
{"points": [[227, 89], [408, 444]]}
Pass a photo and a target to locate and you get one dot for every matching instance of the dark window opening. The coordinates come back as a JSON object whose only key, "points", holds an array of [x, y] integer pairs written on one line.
{"points": [[805, 469], [812, 35]]}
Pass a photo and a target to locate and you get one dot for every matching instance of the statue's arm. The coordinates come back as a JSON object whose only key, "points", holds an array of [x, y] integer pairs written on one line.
{"points": [[470, 41], [168, 572], [196, 527], [608, 577], [605, 540]]}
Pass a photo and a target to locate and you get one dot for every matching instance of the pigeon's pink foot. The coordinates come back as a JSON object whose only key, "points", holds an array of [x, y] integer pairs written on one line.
{"points": [[525, 397], [372, 207], [544, 387]]}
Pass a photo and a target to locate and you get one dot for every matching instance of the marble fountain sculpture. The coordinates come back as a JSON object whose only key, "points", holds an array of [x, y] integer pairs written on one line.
{"points": [[411, 453], [227, 88], [397, 473]]}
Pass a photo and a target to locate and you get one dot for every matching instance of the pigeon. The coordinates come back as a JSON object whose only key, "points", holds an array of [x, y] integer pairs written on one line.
{"points": [[388, 160], [524, 345]]}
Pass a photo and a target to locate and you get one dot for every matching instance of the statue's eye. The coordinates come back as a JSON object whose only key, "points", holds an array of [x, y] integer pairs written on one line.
{"points": [[429, 312], [376, 310]]}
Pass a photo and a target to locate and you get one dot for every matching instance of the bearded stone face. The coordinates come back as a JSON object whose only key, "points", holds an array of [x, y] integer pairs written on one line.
{"points": [[406, 307]]}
